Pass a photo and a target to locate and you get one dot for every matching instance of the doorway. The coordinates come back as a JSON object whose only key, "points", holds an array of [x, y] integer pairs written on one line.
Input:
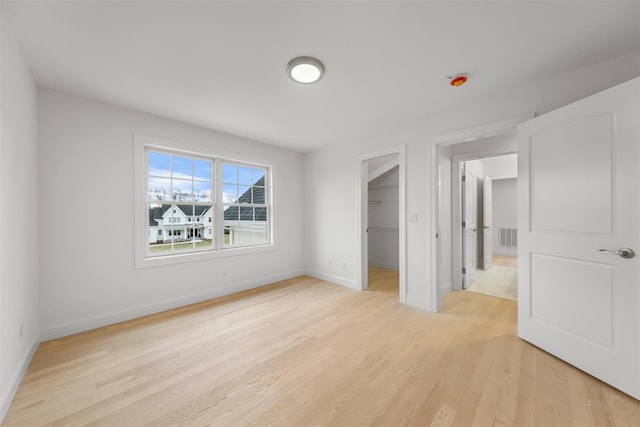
{"points": [[382, 215], [490, 219], [448, 153]]}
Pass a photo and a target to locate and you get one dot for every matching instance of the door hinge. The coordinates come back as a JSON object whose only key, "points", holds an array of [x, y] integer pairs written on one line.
{"points": [[464, 270], [464, 178], [464, 224], [437, 234]]}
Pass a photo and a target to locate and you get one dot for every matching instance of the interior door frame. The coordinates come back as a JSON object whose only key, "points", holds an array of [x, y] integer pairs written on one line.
{"points": [[486, 207], [476, 133], [472, 186], [363, 211]]}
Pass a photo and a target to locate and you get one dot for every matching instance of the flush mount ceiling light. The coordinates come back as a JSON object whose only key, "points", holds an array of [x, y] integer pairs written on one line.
{"points": [[305, 69]]}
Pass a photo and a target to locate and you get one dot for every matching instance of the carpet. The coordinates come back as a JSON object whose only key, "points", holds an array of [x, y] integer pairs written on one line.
{"points": [[497, 281]]}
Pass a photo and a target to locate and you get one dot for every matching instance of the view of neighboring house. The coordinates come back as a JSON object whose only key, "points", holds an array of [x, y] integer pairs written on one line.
{"points": [[179, 222], [243, 225], [247, 225]]}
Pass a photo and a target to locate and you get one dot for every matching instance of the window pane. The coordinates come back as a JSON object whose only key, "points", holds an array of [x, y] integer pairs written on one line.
{"points": [[246, 214], [229, 193], [196, 238], [258, 195], [202, 191], [244, 193], [244, 176], [159, 230], [182, 167], [258, 174], [231, 215], [159, 164], [202, 170], [251, 229], [260, 233], [170, 229], [159, 189], [182, 190], [261, 215], [229, 173]]}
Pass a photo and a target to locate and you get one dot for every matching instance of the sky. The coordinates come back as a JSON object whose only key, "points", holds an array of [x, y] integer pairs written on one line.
{"points": [[186, 176]]}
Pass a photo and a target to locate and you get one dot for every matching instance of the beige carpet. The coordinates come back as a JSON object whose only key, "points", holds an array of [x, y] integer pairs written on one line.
{"points": [[497, 281]]}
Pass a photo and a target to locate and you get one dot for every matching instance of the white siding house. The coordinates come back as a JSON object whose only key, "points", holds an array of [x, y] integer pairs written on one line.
{"points": [[173, 222]]}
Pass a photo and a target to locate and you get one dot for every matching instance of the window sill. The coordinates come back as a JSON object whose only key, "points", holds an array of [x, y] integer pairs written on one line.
{"points": [[143, 262]]}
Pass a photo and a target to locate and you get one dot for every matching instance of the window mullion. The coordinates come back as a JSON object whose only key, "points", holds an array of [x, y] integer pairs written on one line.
{"points": [[218, 219]]}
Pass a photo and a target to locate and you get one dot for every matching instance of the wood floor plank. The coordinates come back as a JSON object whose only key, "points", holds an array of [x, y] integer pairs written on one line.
{"points": [[304, 352]]}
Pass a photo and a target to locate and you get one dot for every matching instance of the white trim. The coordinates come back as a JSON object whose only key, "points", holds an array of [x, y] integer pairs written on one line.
{"points": [[106, 319], [382, 169], [419, 302], [14, 382], [383, 265], [337, 280], [480, 132], [361, 219], [141, 143], [465, 135]]}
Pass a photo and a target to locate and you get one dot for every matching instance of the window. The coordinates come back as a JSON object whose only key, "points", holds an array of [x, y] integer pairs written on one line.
{"points": [[198, 205], [245, 208], [177, 187]]}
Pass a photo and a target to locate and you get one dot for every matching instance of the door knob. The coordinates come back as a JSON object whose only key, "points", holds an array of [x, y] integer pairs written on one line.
{"points": [[622, 252]]}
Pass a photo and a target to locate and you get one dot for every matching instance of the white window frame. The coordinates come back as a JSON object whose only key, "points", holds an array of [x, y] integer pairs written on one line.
{"points": [[222, 204], [142, 260]]}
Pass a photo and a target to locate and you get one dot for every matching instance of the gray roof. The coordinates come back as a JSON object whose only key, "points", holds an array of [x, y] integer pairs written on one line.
{"points": [[234, 213], [187, 209], [156, 213]]}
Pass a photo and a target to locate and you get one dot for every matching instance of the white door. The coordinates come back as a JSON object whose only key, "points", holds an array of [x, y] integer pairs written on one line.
{"points": [[487, 224], [469, 228], [578, 193]]}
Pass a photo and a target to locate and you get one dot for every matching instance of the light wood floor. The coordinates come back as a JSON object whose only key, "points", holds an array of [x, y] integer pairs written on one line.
{"points": [[505, 261], [304, 352]]}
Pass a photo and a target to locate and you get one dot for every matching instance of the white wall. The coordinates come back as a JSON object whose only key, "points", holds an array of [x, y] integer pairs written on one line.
{"points": [[501, 167], [86, 185], [331, 174], [383, 236], [18, 218], [505, 211]]}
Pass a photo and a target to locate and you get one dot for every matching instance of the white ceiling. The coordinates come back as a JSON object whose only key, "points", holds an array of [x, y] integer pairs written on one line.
{"points": [[222, 64]]}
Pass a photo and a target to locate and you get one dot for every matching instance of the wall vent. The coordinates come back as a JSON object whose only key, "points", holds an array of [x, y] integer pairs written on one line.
{"points": [[508, 237]]}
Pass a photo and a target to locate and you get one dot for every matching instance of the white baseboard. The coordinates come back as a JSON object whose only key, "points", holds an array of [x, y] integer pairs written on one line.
{"points": [[106, 319], [14, 382], [446, 288], [384, 265], [334, 279], [419, 302]]}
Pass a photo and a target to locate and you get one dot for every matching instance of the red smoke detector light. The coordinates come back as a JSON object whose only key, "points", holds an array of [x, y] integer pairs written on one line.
{"points": [[458, 80]]}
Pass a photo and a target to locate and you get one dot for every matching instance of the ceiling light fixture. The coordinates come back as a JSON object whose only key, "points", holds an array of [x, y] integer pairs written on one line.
{"points": [[305, 69]]}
